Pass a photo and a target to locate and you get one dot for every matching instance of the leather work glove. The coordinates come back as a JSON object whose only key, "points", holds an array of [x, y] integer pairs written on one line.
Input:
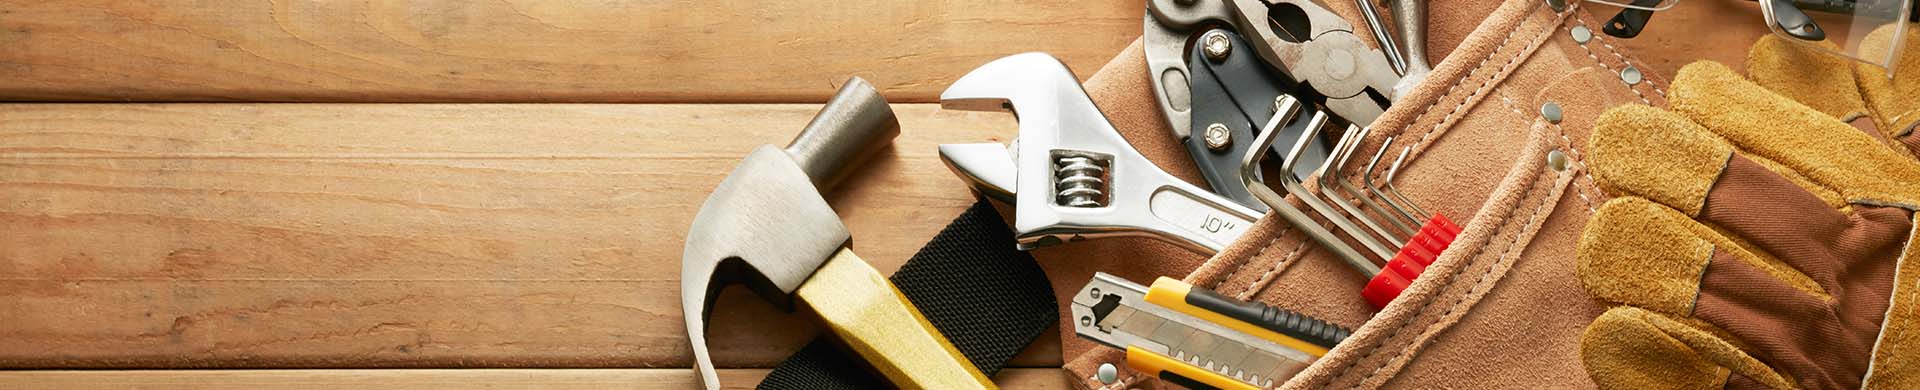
{"points": [[1753, 242], [1890, 107]]}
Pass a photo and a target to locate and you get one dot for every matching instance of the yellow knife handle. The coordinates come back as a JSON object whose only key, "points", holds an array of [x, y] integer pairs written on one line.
{"points": [[1284, 327], [872, 318], [1180, 373]]}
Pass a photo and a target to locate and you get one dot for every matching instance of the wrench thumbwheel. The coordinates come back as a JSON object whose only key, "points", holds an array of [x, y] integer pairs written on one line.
{"points": [[1081, 182]]}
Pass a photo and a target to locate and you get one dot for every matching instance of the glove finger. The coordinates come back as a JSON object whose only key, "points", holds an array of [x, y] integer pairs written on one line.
{"points": [[1891, 99], [1806, 75], [1820, 344], [1640, 253], [1656, 154], [1773, 127], [1631, 348], [1663, 156]]}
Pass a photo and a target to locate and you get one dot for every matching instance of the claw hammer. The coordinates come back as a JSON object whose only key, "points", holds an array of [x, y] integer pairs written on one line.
{"points": [[768, 227]]}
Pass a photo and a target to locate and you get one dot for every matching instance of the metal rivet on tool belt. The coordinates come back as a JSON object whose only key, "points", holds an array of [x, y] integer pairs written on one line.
{"points": [[1582, 34], [1551, 111], [1108, 373], [1217, 45], [1631, 75], [1557, 160], [1558, 5], [1218, 137]]}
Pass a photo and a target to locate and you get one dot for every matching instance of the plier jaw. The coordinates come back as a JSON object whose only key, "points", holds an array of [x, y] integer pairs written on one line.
{"points": [[1299, 38], [1217, 67]]}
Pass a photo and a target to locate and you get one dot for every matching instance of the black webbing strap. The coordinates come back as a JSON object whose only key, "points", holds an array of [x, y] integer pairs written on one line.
{"points": [[987, 297]]}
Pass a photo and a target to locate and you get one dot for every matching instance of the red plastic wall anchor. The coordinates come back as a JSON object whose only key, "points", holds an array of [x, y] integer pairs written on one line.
{"points": [[1412, 260]]}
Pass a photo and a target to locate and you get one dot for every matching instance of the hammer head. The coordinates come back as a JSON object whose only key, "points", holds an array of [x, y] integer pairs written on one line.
{"points": [[767, 225]]}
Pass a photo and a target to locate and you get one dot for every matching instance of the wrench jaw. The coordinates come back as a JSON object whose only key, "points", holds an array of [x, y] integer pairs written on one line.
{"points": [[1076, 178], [1031, 80], [987, 168], [1041, 92]]}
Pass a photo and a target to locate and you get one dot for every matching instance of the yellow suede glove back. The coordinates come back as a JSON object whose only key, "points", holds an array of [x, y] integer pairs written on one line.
{"points": [[1753, 243], [1862, 94]]}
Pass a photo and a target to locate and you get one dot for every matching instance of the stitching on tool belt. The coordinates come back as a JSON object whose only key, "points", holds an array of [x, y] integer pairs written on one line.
{"points": [[1488, 83], [1580, 163], [1651, 79], [1581, 20], [1267, 277], [1374, 347], [1507, 256], [1505, 44], [1256, 256]]}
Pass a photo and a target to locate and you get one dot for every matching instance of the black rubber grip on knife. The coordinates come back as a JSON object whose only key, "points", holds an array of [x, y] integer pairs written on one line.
{"points": [[1286, 322], [1186, 382]]}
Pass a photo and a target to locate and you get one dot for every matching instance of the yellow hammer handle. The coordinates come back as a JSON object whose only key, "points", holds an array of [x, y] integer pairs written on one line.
{"points": [[876, 321]]}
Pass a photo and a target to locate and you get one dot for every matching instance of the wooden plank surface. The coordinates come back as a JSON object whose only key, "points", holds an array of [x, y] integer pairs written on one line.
{"points": [[409, 235], [424, 379], [530, 50], [1719, 31]]}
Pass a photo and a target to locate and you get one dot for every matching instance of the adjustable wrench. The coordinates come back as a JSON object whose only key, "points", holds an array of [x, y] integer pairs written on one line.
{"points": [[1070, 174]]}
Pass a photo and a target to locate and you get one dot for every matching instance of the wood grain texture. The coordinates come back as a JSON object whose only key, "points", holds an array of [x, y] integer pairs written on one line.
{"points": [[1720, 31], [407, 235], [531, 50], [426, 379]]}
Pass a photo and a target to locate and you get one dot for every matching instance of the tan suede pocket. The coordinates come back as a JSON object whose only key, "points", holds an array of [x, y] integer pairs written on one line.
{"points": [[1483, 261]]}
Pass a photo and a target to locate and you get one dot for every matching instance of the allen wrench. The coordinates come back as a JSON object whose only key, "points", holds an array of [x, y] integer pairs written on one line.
{"points": [[1394, 171], [1403, 264], [1295, 186], [1399, 204], [1288, 108], [1331, 184]]}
